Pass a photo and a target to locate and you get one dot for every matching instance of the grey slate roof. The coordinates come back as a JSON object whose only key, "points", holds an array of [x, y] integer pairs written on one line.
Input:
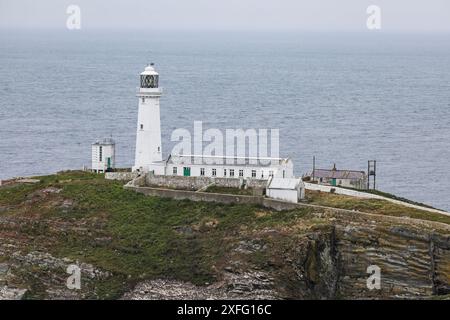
{"points": [[284, 183], [106, 141], [224, 160], [339, 174]]}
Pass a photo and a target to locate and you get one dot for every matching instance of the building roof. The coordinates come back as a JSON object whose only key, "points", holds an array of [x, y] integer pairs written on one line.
{"points": [[225, 160], [105, 141], [338, 174], [285, 183]]}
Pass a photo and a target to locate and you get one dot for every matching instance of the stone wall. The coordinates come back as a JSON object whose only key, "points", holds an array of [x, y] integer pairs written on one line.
{"points": [[122, 176], [139, 181], [278, 205], [196, 183], [198, 196]]}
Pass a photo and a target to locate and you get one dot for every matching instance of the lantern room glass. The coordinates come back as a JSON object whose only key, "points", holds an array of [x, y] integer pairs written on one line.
{"points": [[149, 81]]}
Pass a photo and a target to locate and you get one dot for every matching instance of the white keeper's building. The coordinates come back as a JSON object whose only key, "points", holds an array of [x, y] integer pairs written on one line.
{"points": [[224, 167], [103, 155]]}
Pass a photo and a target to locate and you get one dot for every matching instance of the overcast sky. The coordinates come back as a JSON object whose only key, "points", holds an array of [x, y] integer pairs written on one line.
{"points": [[322, 15]]}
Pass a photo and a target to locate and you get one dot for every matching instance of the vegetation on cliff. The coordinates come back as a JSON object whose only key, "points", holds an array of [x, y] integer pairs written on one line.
{"points": [[124, 238], [84, 217]]}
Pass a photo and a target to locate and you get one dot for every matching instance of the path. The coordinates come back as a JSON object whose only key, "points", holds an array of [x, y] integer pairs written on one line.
{"points": [[365, 195]]}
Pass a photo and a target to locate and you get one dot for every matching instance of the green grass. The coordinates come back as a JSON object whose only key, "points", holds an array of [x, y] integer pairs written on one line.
{"points": [[148, 237], [136, 237], [390, 196], [372, 206]]}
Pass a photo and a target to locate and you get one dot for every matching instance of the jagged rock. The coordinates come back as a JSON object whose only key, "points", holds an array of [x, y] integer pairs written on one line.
{"points": [[51, 190], [250, 246], [67, 203], [186, 230], [46, 260], [254, 286], [7, 293]]}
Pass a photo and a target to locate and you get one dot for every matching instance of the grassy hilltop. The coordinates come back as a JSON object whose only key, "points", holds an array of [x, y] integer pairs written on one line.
{"points": [[124, 238]]}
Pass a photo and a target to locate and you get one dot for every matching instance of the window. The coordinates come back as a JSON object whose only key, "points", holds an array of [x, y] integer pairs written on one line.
{"points": [[225, 172], [142, 127], [202, 171], [241, 173], [270, 173], [231, 172], [262, 174], [143, 99], [253, 173], [159, 149], [214, 172], [174, 170], [100, 153]]}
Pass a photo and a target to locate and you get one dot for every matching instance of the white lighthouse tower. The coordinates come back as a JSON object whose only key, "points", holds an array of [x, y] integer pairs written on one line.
{"points": [[148, 136]]}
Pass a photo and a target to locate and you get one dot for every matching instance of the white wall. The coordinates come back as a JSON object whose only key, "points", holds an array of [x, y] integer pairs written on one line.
{"points": [[283, 194], [101, 164], [148, 139], [158, 168], [261, 172]]}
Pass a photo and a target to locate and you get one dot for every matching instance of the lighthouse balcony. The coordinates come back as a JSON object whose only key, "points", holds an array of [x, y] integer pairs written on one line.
{"points": [[142, 92]]}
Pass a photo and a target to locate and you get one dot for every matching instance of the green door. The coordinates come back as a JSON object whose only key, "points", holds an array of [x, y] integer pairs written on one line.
{"points": [[333, 182], [186, 171], [109, 163]]}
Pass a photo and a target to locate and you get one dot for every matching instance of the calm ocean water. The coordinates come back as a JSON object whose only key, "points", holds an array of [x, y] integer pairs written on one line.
{"points": [[345, 98]]}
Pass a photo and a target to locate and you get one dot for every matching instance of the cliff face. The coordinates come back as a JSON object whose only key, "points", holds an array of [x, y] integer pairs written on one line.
{"points": [[413, 260], [136, 247], [327, 262]]}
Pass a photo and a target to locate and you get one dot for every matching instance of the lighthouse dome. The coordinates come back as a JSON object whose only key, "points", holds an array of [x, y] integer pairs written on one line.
{"points": [[149, 70]]}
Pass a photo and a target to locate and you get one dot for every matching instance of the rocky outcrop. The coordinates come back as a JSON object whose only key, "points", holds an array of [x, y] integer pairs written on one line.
{"points": [[46, 270], [251, 285], [328, 262], [311, 252], [413, 261], [7, 293]]}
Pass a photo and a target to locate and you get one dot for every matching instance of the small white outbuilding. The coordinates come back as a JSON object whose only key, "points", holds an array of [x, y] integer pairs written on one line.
{"points": [[103, 155], [286, 189]]}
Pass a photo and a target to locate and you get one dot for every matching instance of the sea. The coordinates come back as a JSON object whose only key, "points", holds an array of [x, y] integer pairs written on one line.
{"points": [[344, 98]]}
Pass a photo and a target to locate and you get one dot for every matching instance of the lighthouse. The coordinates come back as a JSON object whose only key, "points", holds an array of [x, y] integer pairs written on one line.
{"points": [[148, 135]]}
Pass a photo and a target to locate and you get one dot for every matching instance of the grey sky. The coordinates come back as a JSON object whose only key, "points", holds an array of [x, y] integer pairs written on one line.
{"points": [[323, 15]]}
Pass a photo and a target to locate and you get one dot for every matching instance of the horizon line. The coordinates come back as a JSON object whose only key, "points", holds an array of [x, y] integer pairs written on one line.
{"points": [[228, 30]]}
